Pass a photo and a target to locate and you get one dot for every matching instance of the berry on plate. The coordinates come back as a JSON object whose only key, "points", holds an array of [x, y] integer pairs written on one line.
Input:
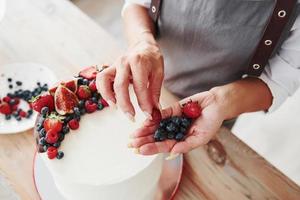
{"points": [[5, 108], [191, 109]]}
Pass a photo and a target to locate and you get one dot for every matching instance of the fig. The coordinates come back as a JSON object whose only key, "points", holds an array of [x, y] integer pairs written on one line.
{"points": [[71, 85], [65, 100]]}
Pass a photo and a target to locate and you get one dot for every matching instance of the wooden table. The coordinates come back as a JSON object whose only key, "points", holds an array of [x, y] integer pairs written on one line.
{"points": [[55, 33]]}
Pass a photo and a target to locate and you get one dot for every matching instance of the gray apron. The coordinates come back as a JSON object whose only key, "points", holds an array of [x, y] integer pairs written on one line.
{"points": [[207, 43]]}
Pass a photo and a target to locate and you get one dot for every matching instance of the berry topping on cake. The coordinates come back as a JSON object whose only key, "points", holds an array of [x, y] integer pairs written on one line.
{"points": [[89, 72], [191, 109], [90, 106], [41, 101], [84, 92], [71, 85], [73, 124], [51, 136], [92, 86], [65, 100], [53, 122], [51, 152]]}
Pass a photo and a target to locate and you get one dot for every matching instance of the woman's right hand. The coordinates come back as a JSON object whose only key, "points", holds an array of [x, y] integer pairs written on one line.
{"points": [[143, 64]]}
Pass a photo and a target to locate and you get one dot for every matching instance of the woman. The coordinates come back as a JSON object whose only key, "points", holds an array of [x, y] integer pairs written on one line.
{"points": [[201, 53]]}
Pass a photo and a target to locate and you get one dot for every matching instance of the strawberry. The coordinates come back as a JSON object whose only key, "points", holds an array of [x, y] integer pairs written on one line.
{"points": [[41, 101], [5, 108], [6, 99], [89, 72], [90, 106], [84, 92], [103, 102], [22, 113], [51, 136], [191, 110], [53, 122], [51, 152], [92, 86], [73, 124]]}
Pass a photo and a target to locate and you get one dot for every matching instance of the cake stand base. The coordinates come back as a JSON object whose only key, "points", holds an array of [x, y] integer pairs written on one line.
{"points": [[166, 188]]}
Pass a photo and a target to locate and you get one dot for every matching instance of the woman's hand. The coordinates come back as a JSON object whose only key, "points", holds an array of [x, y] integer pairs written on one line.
{"points": [[200, 132], [143, 65]]}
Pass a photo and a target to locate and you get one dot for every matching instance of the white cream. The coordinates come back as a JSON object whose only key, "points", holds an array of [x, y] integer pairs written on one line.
{"points": [[98, 164]]}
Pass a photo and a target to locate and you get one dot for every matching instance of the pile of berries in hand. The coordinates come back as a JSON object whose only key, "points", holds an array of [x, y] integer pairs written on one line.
{"points": [[62, 107], [176, 127], [9, 105]]}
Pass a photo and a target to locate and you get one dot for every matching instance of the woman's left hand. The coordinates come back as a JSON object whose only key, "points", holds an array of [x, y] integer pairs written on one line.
{"points": [[200, 132]]}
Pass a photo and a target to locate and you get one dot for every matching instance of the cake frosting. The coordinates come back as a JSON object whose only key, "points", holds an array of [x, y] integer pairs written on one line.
{"points": [[98, 164]]}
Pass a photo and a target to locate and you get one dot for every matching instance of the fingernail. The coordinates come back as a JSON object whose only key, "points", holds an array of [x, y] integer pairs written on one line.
{"points": [[129, 145], [172, 156], [136, 150], [148, 116], [130, 116], [112, 104]]}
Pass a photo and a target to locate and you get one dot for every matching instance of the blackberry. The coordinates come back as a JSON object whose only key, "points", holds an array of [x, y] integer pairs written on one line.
{"points": [[60, 155], [44, 111]]}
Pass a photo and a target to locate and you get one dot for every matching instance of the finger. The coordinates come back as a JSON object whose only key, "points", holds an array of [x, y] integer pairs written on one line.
{"points": [[201, 98], [121, 85], [104, 84], [145, 130], [157, 147], [174, 110], [155, 85], [140, 73], [137, 142]]}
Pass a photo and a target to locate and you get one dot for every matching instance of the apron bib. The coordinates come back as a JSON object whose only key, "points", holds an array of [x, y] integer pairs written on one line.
{"points": [[207, 43]]}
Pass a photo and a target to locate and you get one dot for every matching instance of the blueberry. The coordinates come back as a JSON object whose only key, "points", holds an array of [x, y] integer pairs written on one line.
{"points": [[179, 136], [38, 83], [94, 99], [44, 111], [176, 120], [171, 135], [61, 137], [42, 132], [77, 117], [85, 82], [162, 124], [82, 111], [68, 118], [18, 118], [11, 95], [81, 104], [19, 83], [41, 149], [29, 112], [42, 141], [185, 122], [65, 129], [100, 106], [182, 129], [10, 86], [57, 144], [7, 117], [60, 155], [39, 126], [9, 79], [157, 134], [80, 81], [76, 111], [171, 127], [163, 137], [45, 147], [96, 95]]}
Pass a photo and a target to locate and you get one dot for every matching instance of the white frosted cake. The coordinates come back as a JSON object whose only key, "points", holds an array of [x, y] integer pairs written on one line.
{"points": [[97, 163]]}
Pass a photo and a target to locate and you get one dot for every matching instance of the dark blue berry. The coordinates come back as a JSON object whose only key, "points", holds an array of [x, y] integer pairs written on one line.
{"points": [[19, 83], [42, 132], [60, 155], [57, 144], [61, 137], [176, 120], [80, 81], [77, 111], [82, 111], [42, 141], [85, 82], [94, 99], [44, 111], [65, 129], [10, 86], [39, 126], [171, 135], [9, 79], [12, 102], [100, 106], [45, 147], [38, 83], [18, 118], [7, 117], [179, 136], [171, 127], [186, 122], [81, 104]]}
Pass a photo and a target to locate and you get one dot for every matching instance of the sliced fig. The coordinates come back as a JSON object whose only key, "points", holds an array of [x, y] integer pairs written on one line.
{"points": [[89, 72], [65, 100], [71, 85]]}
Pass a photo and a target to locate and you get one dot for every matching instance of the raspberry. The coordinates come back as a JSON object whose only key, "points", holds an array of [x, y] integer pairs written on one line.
{"points": [[51, 136], [191, 110], [6, 99], [92, 86], [73, 124], [103, 102], [90, 106], [51, 152], [22, 113], [5, 108]]}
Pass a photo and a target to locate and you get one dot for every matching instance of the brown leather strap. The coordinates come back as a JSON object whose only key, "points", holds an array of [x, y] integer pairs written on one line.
{"points": [[154, 10], [280, 17]]}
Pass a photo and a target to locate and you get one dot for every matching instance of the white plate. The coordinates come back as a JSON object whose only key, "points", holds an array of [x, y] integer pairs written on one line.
{"points": [[29, 74], [166, 188]]}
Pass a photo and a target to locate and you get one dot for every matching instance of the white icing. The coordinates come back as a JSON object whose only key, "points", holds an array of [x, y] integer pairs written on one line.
{"points": [[97, 163]]}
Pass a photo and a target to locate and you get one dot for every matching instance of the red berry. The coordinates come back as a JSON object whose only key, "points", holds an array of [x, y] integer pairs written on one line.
{"points": [[43, 101], [84, 92], [73, 124], [51, 136], [90, 106], [5, 108], [17, 101], [14, 107], [6, 99], [51, 152], [103, 102], [89, 72], [191, 110], [53, 122], [92, 86], [23, 114]]}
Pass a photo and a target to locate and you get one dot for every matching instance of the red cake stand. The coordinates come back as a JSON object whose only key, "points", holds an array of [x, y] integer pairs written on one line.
{"points": [[166, 187]]}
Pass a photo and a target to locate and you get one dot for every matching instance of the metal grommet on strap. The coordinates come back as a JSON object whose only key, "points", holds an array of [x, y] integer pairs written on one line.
{"points": [[256, 66], [268, 42], [282, 13], [153, 9]]}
